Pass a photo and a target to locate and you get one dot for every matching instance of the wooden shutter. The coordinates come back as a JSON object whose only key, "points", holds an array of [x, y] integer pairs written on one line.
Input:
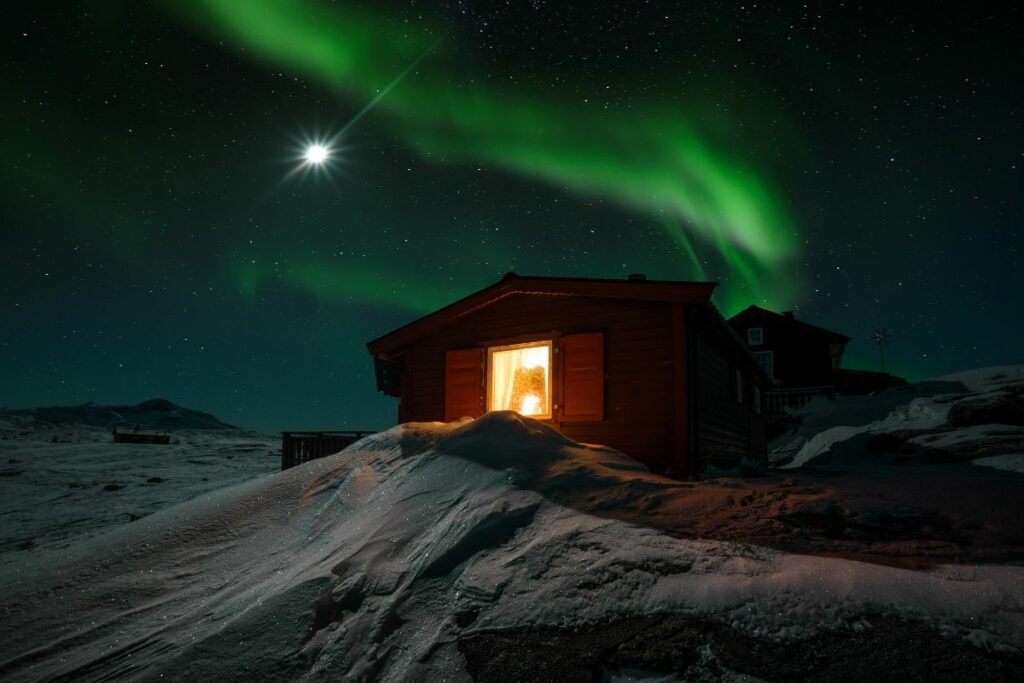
{"points": [[463, 384], [582, 357]]}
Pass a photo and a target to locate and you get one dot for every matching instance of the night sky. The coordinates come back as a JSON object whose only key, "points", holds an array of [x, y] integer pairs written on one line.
{"points": [[164, 237]]}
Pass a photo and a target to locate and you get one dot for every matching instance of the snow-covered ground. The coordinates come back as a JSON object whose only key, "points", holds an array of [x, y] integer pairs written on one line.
{"points": [[975, 416], [63, 482], [386, 560]]}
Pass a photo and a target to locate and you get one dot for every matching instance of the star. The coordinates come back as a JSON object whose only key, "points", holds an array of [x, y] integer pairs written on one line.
{"points": [[317, 154]]}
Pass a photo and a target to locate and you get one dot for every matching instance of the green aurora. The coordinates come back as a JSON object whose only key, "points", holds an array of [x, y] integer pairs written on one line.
{"points": [[652, 159]]}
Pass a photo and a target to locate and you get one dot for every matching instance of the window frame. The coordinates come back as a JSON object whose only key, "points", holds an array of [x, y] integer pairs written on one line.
{"points": [[769, 353], [549, 342], [760, 336]]}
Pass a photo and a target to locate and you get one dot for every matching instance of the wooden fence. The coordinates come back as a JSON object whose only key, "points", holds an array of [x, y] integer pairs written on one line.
{"points": [[300, 447], [776, 401], [136, 437]]}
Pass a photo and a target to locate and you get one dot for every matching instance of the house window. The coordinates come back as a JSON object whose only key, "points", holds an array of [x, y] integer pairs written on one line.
{"points": [[519, 378], [739, 387], [766, 361], [835, 353], [755, 336]]}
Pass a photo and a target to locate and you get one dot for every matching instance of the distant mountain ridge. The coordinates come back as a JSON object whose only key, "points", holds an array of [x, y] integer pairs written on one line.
{"points": [[154, 414]]}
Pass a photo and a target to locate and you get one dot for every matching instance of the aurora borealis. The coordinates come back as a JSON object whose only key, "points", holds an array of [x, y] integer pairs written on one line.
{"points": [[862, 169], [652, 159]]}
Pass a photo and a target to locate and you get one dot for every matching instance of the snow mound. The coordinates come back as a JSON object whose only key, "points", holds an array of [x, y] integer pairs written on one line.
{"points": [[983, 380], [965, 416], [373, 563], [63, 483]]}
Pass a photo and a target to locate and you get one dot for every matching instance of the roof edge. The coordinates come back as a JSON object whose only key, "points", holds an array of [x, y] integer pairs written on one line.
{"points": [[511, 284], [793, 321]]}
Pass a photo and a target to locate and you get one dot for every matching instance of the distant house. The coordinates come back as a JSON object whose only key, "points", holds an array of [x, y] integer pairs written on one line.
{"points": [[647, 367], [791, 353], [802, 360]]}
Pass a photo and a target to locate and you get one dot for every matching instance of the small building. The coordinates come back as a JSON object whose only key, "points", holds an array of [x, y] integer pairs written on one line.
{"points": [[803, 361], [792, 353], [647, 367]]}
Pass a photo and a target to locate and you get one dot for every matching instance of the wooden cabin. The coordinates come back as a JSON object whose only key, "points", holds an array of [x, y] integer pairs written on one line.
{"points": [[647, 367], [791, 352], [137, 437], [803, 361]]}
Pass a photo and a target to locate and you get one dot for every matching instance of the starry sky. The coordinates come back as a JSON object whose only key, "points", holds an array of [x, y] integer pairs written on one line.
{"points": [[163, 236]]}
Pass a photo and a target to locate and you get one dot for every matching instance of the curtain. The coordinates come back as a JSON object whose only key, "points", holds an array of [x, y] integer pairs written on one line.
{"points": [[520, 380]]}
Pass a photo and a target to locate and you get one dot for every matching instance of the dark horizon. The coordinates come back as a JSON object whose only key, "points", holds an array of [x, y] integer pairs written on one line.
{"points": [[164, 237]]}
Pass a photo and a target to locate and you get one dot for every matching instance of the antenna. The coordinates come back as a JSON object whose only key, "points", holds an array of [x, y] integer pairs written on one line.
{"points": [[882, 337]]}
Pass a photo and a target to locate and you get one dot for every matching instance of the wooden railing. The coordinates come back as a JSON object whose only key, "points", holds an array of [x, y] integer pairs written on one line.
{"points": [[300, 447], [777, 400]]}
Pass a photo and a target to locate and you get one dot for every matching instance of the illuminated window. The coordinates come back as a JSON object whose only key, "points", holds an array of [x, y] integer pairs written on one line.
{"points": [[519, 378]]}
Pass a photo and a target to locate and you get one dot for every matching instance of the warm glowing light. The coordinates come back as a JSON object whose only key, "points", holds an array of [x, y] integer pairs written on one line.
{"points": [[530, 405], [317, 154], [519, 378]]}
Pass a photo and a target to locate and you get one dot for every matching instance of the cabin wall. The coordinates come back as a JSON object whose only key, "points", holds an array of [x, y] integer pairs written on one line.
{"points": [[727, 430], [801, 357], [638, 347], [801, 360]]}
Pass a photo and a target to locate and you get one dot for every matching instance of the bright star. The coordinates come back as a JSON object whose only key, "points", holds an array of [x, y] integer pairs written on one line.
{"points": [[317, 154]]}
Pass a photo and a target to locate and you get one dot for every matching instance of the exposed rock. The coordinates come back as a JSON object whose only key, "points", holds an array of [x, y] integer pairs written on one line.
{"points": [[1001, 408], [688, 648]]}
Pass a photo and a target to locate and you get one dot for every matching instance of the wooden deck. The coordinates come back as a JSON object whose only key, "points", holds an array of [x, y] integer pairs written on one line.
{"points": [[776, 401], [300, 447]]}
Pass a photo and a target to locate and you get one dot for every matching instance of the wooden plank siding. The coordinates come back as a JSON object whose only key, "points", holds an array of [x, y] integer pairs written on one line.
{"points": [[301, 447], [728, 429], [638, 365]]}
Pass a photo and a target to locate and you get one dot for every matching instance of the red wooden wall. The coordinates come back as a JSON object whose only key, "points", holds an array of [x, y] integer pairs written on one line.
{"points": [[727, 428], [638, 353]]}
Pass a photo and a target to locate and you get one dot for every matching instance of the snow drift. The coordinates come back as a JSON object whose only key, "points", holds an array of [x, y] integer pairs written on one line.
{"points": [[64, 482], [977, 415], [374, 562]]}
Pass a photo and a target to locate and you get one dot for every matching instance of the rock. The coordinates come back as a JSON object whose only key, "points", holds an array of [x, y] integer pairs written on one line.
{"points": [[1001, 408]]}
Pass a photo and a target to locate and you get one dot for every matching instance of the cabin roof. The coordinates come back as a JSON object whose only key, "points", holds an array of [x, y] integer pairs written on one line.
{"points": [[634, 289], [757, 312]]}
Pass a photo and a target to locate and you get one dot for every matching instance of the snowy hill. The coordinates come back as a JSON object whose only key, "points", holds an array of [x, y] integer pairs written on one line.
{"points": [[154, 414], [975, 416], [64, 480], [497, 549]]}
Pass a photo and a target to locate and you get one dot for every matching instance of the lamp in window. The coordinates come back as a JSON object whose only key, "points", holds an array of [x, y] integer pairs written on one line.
{"points": [[519, 379]]}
